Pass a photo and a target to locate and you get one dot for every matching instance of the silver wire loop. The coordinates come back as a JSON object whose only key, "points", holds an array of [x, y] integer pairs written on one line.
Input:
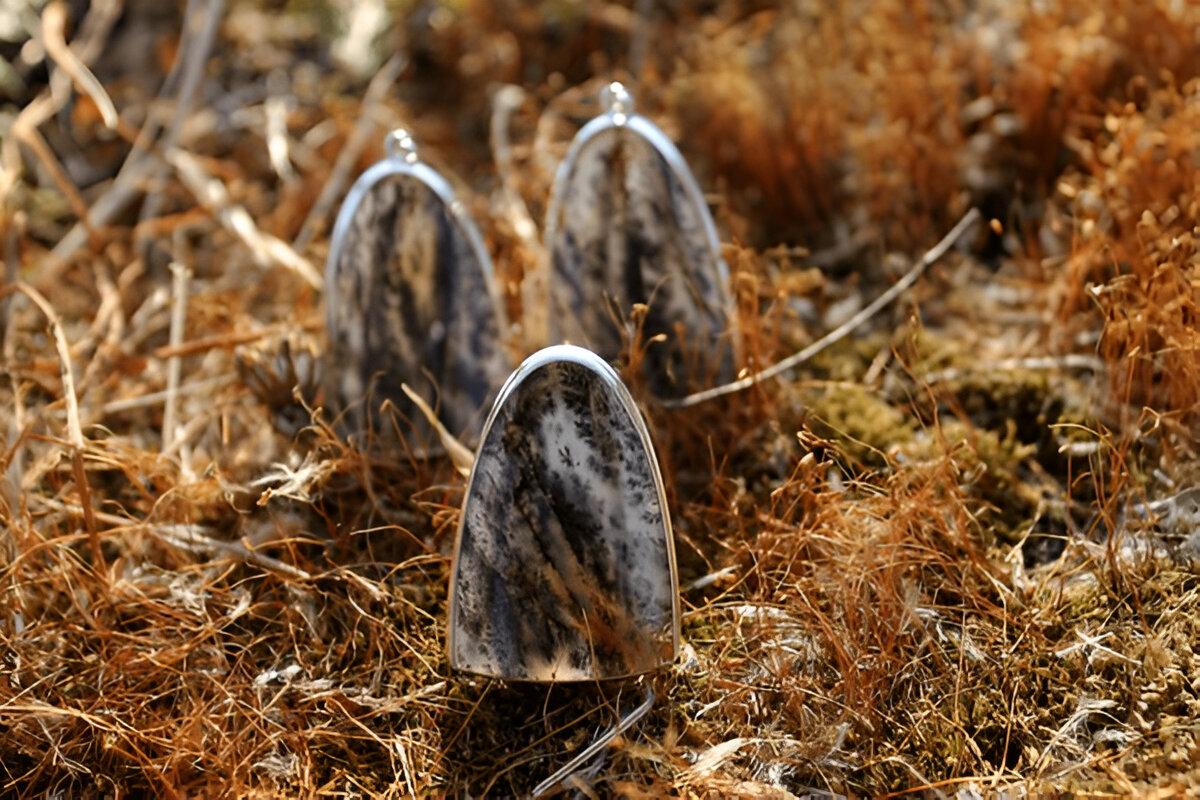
{"points": [[598, 745], [616, 101], [400, 144]]}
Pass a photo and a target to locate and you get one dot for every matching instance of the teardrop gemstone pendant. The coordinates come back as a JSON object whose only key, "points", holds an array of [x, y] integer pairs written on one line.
{"points": [[410, 299], [564, 564], [627, 224]]}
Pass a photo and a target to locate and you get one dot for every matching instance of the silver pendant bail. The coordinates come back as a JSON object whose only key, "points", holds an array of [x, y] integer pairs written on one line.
{"points": [[399, 143], [617, 102]]}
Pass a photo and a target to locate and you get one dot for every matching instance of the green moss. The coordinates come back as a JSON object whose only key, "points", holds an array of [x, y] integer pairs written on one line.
{"points": [[850, 358], [865, 426], [925, 352]]}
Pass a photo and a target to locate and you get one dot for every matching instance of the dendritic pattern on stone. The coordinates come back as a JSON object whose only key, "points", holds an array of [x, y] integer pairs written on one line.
{"points": [[410, 301], [628, 226], [564, 564]]}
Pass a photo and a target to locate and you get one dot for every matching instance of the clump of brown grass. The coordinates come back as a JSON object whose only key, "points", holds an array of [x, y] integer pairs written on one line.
{"points": [[1136, 249], [777, 141], [892, 117]]}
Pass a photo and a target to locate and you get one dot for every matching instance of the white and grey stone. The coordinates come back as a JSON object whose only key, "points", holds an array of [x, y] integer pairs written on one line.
{"points": [[564, 565]]}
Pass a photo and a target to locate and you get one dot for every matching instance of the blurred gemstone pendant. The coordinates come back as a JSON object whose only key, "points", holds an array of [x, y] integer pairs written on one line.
{"points": [[627, 224], [410, 299], [564, 565]]}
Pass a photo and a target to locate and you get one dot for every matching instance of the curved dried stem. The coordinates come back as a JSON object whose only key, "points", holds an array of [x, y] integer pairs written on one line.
{"points": [[842, 331]]}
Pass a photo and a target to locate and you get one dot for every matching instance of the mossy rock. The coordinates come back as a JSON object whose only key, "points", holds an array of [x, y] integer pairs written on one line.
{"points": [[848, 359]]}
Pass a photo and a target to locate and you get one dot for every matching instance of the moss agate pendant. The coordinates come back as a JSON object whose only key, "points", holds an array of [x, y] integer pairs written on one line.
{"points": [[410, 298], [628, 225], [564, 565]]}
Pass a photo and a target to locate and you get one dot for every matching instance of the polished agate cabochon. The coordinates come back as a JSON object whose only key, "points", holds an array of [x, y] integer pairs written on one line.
{"points": [[564, 565], [410, 300], [628, 226]]}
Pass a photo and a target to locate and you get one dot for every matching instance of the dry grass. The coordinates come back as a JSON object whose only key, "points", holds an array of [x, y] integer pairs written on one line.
{"points": [[954, 551]]}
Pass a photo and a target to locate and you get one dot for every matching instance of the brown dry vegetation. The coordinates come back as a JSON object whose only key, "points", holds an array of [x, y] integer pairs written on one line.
{"points": [[956, 552]]}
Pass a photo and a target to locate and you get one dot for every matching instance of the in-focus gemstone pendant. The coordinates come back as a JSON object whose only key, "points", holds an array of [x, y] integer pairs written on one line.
{"points": [[410, 299], [564, 565], [627, 224]]}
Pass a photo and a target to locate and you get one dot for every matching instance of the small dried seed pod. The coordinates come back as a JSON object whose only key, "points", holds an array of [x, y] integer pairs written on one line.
{"points": [[628, 226], [282, 373], [564, 564], [410, 298]]}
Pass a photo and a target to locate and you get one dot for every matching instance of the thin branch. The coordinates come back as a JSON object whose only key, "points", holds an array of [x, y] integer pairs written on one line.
{"points": [[192, 538], [275, 108], [54, 21], [197, 45], [601, 742], [92, 34], [74, 429], [179, 294], [33, 138], [112, 202], [505, 103], [213, 195], [1033, 364], [153, 398], [843, 330], [139, 167], [461, 456], [377, 90], [30, 117], [639, 41]]}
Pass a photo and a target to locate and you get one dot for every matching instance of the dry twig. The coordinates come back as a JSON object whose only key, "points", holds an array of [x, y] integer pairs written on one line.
{"points": [[179, 293], [377, 90], [213, 195], [54, 20]]}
